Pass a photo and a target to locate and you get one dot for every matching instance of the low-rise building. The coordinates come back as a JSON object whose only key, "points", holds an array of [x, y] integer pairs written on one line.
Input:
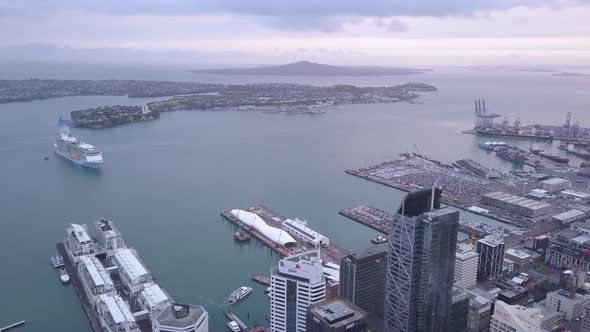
{"points": [[581, 227], [181, 318], [508, 266], [78, 242], [570, 216], [568, 250], [515, 296], [515, 318], [299, 230], [114, 314], [517, 204], [585, 326], [336, 315], [154, 299], [132, 271], [95, 279], [572, 280], [551, 319], [108, 238], [520, 258], [570, 304], [554, 185]]}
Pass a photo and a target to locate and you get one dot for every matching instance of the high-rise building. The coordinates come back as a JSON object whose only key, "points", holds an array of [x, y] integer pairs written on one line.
{"points": [[421, 263], [479, 314], [515, 318], [459, 312], [362, 280], [466, 263], [296, 283], [491, 257], [336, 315]]}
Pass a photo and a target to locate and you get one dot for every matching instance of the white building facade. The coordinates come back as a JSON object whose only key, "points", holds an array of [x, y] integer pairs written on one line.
{"points": [[108, 238], [95, 278], [132, 271], [515, 318], [466, 264], [114, 314], [78, 242], [571, 305], [296, 283]]}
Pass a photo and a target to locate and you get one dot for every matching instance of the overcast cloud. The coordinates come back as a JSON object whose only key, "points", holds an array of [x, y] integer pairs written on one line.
{"points": [[388, 32]]}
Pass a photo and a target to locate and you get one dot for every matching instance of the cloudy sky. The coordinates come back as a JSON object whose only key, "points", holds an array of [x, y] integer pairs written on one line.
{"points": [[356, 32]]}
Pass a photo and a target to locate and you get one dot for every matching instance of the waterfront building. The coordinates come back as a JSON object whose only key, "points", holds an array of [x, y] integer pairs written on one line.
{"points": [[480, 311], [131, 270], [571, 305], [515, 318], [517, 204], [570, 216], [336, 315], [491, 257], [78, 242], [181, 318], [154, 299], [459, 313], [276, 235], [572, 280], [554, 185], [95, 279], [569, 250], [296, 283], [362, 280], [421, 263], [466, 263], [108, 238], [299, 230], [114, 314]]}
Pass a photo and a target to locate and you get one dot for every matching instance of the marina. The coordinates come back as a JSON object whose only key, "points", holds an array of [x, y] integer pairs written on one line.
{"points": [[269, 228]]}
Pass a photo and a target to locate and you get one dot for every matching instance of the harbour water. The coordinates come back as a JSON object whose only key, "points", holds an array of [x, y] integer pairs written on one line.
{"points": [[165, 182]]}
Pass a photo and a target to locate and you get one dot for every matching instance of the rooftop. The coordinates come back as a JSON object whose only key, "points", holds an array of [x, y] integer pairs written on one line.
{"points": [[153, 295], [337, 311], [132, 266], [555, 181], [564, 216], [118, 309], [99, 275], [518, 253], [492, 241], [181, 315], [80, 233]]}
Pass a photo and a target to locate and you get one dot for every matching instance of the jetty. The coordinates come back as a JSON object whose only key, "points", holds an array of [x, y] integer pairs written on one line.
{"points": [[11, 326], [231, 316], [261, 280], [330, 253]]}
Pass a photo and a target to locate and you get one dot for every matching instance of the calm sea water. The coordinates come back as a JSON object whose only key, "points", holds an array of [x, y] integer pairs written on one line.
{"points": [[165, 182]]}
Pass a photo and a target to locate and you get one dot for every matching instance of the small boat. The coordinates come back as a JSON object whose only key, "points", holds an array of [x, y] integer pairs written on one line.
{"points": [[64, 276], [242, 236], [379, 239], [239, 294], [57, 261], [233, 326]]}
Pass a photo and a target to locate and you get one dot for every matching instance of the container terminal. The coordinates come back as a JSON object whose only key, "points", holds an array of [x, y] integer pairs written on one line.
{"points": [[284, 236], [569, 131], [117, 291]]}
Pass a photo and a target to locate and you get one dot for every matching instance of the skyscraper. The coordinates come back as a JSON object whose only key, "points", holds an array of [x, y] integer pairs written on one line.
{"points": [[362, 280], [421, 263], [491, 257], [296, 283]]}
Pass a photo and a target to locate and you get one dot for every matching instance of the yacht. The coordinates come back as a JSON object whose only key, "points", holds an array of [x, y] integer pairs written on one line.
{"points": [[64, 276], [239, 294], [233, 326]]}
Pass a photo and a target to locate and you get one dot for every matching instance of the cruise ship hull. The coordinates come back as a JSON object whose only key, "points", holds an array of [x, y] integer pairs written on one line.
{"points": [[78, 162]]}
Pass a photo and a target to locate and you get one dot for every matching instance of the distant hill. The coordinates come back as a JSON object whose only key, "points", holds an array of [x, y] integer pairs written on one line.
{"points": [[306, 68]]}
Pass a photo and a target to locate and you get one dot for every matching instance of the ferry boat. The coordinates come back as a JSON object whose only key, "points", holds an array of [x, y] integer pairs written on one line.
{"points": [[239, 294], [57, 261], [80, 153], [64, 276], [379, 239]]}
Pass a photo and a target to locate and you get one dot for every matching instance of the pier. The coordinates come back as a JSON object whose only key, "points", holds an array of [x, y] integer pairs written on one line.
{"points": [[261, 280], [330, 253], [231, 316], [12, 326], [77, 283], [370, 217]]}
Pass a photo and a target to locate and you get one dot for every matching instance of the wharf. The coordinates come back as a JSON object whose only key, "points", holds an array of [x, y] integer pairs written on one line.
{"points": [[75, 279], [231, 316], [330, 253], [12, 326], [261, 280]]}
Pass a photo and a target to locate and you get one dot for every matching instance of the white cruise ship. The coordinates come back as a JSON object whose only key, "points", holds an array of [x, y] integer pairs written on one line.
{"points": [[77, 152]]}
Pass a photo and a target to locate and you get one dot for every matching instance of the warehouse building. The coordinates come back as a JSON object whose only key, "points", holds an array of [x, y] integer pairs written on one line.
{"points": [[568, 217], [517, 204], [554, 185]]}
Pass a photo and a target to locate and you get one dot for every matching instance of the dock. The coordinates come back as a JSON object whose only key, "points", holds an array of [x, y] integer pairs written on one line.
{"points": [[231, 316], [330, 253], [77, 283], [261, 280], [12, 326]]}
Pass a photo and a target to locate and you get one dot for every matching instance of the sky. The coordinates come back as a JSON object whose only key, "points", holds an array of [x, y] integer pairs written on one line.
{"points": [[225, 33]]}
